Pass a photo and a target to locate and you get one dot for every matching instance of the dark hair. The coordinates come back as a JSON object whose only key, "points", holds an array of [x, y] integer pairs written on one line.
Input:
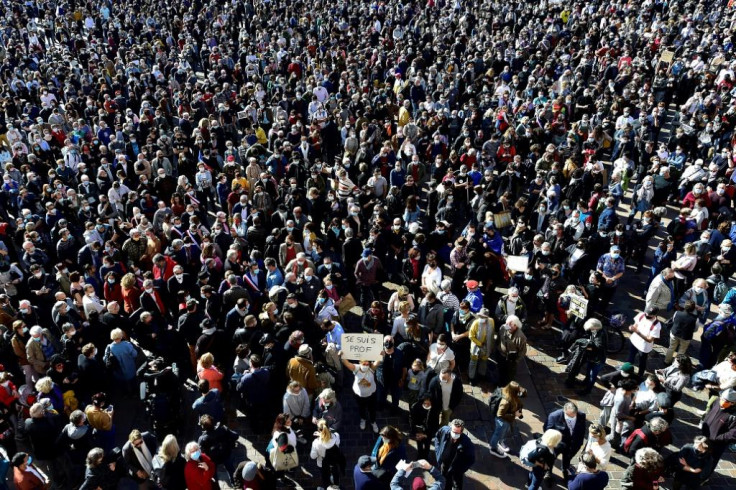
{"points": [[99, 400], [203, 386]]}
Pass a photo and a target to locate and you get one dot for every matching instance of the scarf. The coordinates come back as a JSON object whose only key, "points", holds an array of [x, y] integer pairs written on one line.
{"points": [[383, 452], [144, 457]]}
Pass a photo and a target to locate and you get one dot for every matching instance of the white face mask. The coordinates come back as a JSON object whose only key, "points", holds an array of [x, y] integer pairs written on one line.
{"points": [[455, 436], [364, 368]]}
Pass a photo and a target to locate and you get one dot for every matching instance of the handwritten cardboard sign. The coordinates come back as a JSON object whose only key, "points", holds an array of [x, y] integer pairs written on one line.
{"points": [[362, 346]]}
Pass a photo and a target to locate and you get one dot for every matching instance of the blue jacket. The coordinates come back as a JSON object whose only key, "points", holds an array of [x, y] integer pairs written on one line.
{"points": [[608, 219], [589, 481], [392, 458], [475, 298], [464, 456], [366, 481]]}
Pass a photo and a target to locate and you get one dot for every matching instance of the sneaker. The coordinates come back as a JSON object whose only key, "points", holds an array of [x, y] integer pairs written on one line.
{"points": [[362, 424], [503, 447], [497, 452], [374, 426]]}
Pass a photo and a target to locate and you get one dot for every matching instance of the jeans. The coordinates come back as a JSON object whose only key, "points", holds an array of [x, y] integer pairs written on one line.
{"points": [[535, 477], [477, 366], [643, 356], [499, 434], [591, 373]]}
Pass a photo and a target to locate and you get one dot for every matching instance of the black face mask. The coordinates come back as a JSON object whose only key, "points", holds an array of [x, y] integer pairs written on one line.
{"points": [[388, 345]]}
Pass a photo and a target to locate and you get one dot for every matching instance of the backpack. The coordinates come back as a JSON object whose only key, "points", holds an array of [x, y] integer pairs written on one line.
{"points": [[494, 402], [629, 440], [719, 292], [526, 450]]}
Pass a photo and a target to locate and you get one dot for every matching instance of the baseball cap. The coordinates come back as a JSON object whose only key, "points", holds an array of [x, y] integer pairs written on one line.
{"points": [[627, 367], [729, 395], [472, 284]]}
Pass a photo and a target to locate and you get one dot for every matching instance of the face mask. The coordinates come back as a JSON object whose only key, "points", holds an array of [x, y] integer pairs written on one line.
{"points": [[427, 407], [364, 368], [388, 345], [455, 436], [528, 277], [36, 339], [624, 374], [276, 311], [615, 255], [698, 290], [545, 252], [149, 290], [179, 277], [111, 281], [30, 460], [196, 455], [725, 250], [619, 233], [321, 300], [566, 208], [513, 299], [384, 439], [25, 329]]}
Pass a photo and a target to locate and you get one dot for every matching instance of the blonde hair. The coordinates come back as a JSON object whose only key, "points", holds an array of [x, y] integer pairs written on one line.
{"points": [[44, 385], [551, 438], [404, 306], [128, 280], [169, 449], [324, 431], [207, 360], [116, 334]]}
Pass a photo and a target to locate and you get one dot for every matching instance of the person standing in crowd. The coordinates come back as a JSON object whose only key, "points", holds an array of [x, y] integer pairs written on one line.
{"points": [[719, 425], [510, 408], [644, 332], [454, 452], [589, 475], [542, 458], [569, 422], [223, 178], [364, 390], [511, 349]]}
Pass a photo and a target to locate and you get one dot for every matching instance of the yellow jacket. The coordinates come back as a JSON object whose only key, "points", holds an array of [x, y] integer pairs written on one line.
{"points": [[482, 340]]}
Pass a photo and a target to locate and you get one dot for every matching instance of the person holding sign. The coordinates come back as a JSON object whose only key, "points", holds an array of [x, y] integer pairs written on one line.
{"points": [[364, 389]]}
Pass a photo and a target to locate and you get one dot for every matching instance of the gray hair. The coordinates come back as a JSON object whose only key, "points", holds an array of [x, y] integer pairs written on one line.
{"points": [[446, 284], [658, 425], [328, 394], [191, 447], [648, 459], [570, 407], [457, 423]]}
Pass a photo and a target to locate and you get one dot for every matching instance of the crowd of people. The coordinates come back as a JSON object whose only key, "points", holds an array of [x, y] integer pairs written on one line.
{"points": [[199, 199]]}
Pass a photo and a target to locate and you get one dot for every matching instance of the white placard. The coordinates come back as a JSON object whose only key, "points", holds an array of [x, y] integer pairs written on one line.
{"points": [[362, 346], [517, 263]]}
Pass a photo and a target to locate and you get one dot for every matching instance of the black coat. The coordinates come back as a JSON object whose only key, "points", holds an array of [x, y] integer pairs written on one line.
{"points": [[435, 392], [572, 441], [171, 476], [131, 460]]}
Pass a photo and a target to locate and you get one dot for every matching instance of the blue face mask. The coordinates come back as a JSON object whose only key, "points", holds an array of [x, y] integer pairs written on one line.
{"points": [[30, 460], [36, 339], [321, 300], [196, 455]]}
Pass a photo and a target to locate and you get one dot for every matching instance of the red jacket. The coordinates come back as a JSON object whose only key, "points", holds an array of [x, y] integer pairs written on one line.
{"points": [[166, 271], [196, 477]]}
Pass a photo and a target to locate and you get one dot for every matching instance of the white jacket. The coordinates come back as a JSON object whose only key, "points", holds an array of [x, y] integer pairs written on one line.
{"points": [[319, 448]]}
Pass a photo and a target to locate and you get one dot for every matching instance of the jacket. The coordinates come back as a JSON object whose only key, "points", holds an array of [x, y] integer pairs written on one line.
{"points": [[302, 370], [198, 478], [131, 460], [483, 340], [43, 433], [637, 478], [661, 294], [435, 392], [501, 313], [34, 352], [507, 409], [719, 426], [282, 252], [424, 421], [464, 455], [573, 441], [392, 458], [508, 343], [432, 316]]}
